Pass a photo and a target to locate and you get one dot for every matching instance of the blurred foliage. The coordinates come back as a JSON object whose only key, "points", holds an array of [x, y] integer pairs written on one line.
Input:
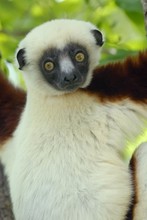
{"points": [[121, 21]]}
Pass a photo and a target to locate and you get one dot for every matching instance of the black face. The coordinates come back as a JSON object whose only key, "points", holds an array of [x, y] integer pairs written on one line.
{"points": [[66, 69]]}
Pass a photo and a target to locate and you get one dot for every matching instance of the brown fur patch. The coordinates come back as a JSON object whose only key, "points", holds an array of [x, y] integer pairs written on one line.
{"points": [[133, 165], [12, 102], [116, 81]]}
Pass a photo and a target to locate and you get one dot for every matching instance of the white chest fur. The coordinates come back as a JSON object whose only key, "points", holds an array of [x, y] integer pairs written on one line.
{"points": [[65, 166]]}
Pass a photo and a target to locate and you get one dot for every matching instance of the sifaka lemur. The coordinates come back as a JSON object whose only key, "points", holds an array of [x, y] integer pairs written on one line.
{"points": [[61, 142]]}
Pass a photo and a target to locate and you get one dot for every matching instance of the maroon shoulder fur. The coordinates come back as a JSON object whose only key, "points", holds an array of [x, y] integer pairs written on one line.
{"points": [[120, 80], [12, 102]]}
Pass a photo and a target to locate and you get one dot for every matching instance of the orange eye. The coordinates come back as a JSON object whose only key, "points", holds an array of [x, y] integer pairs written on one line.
{"points": [[79, 57], [49, 66]]}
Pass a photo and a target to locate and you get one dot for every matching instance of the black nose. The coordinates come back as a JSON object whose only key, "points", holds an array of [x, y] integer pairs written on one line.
{"points": [[71, 78], [70, 81]]}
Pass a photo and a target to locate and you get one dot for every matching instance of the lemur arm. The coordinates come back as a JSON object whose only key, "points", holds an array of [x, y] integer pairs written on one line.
{"points": [[12, 101], [117, 81]]}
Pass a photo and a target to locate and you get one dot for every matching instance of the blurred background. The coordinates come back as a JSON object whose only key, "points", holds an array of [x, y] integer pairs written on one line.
{"points": [[121, 21]]}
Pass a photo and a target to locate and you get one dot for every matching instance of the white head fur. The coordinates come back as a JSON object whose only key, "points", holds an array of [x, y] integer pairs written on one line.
{"points": [[57, 34]]}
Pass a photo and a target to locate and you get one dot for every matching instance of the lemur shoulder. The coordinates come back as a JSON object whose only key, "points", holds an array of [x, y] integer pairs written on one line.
{"points": [[61, 143]]}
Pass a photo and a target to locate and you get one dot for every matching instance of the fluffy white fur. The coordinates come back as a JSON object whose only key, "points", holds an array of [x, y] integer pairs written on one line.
{"points": [[140, 212], [56, 34], [63, 166], [66, 65], [64, 160]]}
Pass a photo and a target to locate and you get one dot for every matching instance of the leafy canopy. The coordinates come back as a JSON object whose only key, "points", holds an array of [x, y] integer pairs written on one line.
{"points": [[121, 21]]}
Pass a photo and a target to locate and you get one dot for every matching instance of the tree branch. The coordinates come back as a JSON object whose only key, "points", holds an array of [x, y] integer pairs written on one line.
{"points": [[144, 4]]}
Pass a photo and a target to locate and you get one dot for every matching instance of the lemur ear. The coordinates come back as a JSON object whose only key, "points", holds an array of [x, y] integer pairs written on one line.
{"points": [[98, 37], [21, 58]]}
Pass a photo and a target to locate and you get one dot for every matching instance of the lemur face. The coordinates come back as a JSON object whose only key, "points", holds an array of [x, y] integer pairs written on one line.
{"points": [[65, 69], [60, 54]]}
